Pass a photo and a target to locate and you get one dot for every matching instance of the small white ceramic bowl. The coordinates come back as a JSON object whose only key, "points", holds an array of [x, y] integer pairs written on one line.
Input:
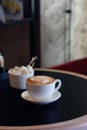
{"points": [[19, 81]]}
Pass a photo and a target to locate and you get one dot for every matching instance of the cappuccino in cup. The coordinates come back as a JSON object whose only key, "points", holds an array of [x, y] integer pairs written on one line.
{"points": [[40, 80], [41, 87]]}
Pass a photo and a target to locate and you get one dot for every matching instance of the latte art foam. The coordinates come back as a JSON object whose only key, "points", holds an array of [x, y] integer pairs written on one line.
{"points": [[38, 80]]}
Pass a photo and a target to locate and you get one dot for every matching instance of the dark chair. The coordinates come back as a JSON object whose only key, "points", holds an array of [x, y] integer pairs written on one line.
{"points": [[78, 66]]}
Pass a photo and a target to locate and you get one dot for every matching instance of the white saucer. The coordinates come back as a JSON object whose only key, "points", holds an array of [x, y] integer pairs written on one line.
{"points": [[25, 95]]}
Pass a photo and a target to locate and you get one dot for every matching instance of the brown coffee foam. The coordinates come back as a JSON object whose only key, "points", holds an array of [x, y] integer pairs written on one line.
{"points": [[37, 80]]}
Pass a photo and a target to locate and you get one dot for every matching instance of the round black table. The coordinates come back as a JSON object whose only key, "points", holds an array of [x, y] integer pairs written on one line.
{"points": [[67, 112]]}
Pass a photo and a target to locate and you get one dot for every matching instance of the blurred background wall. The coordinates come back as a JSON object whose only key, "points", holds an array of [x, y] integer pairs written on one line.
{"points": [[63, 31]]}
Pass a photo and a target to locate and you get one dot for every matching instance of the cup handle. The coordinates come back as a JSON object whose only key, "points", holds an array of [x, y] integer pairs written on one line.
{"points": [[59, 84]]}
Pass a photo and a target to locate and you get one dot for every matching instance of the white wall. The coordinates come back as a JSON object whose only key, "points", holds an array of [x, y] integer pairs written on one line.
{"points": [[79, 29], [53, 32], [57, 46]]}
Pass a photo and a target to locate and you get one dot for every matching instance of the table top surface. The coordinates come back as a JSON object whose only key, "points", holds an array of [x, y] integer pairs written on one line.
{"points": [[14, 111]]}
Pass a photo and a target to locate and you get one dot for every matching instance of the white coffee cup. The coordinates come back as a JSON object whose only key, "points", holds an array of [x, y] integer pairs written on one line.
{"points": [[41, 87], [18, 81]]}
